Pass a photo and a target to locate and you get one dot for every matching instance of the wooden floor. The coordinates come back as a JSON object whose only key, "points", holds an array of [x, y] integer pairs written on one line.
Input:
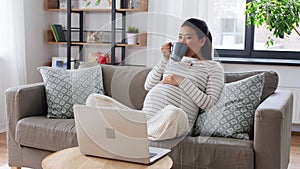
{"points": [[3, 149], [295, 152], [294, 159]]}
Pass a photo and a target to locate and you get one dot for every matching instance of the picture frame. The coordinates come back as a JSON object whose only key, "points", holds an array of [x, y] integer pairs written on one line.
{"points": [[94, 37], [61, 62]]}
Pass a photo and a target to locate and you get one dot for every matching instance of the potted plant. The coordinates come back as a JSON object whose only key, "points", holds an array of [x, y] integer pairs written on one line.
{"points": [[132, 34], [280, 16]]}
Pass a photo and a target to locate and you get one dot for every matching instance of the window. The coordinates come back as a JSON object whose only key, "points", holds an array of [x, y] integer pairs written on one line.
{"points": [[227, 23], [232, 38], [232, 34], [290, 43]]}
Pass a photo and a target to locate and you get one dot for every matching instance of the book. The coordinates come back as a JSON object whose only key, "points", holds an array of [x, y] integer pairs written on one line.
{"points": [[59, 32], [54, 34]]}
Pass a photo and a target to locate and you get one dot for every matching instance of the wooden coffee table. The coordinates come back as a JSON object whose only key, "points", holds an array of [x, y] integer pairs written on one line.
{"points": [[71, 158]]}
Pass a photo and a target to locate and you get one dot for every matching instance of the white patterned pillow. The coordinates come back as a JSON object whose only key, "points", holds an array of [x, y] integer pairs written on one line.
{"points": [[233, 114], [64, 88]]}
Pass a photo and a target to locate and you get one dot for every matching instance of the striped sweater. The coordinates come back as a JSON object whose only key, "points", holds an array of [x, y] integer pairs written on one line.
{"points": [[200, 88]]}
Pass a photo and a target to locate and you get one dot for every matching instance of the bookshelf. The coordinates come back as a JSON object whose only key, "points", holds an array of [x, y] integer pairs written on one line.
{"points": [[53, 6]]}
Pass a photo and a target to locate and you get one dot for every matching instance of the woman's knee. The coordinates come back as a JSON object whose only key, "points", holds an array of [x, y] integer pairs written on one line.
{"points": [[94, 98]]}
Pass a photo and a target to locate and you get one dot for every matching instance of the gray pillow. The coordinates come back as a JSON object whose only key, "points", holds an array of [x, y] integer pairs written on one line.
{"points": [[270, 80], [64, 88], [233, 114], [126, 84]]}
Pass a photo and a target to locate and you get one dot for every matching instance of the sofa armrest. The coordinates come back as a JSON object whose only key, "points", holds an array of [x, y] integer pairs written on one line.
{"points": [[272, 131], [24, 101]]}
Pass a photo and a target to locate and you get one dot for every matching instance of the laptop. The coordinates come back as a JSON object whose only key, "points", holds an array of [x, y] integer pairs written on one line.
{"points": [[115, 134]]}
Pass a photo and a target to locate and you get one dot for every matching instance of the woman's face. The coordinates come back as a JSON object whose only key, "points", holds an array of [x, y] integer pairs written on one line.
{"points": [[189, 37]]}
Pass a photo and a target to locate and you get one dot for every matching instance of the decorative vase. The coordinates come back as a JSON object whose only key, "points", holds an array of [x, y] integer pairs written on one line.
{"points": [[132, 38]]}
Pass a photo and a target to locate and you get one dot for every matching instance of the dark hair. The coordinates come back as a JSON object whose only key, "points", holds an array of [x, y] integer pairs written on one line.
{"points": [[202, 31]]}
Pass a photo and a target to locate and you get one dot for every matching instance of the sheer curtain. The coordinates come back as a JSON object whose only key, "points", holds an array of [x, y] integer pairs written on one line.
{"points": [[164, 21], [12, 51]]}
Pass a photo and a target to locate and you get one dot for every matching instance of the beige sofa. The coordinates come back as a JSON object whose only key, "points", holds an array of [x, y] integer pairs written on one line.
{"points": [[32, 136]]}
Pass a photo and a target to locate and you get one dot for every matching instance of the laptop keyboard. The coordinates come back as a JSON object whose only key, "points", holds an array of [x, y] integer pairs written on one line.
{"points": [[152, 154]]}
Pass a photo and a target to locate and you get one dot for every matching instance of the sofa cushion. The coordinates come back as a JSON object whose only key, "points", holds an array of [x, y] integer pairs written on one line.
{"points": [[210, 152], [46, 134], [270, 82], [126, 84], [233, 114], [64, 88]]}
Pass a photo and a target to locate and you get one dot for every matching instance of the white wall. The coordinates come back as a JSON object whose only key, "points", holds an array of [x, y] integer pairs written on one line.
{"points": [[38, 52], [289, 76]]}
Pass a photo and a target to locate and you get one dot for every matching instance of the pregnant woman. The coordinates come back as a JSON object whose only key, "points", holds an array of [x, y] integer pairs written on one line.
{"points": [[178, 90]]}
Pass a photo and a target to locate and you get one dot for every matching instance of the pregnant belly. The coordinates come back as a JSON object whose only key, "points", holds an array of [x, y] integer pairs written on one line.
{"points": [[164, 94]]}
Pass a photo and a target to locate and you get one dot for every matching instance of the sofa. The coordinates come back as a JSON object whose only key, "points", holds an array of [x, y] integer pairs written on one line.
{"points": [[31, 136]]}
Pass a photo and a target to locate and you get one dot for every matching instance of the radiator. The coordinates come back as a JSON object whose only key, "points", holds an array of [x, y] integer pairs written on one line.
{"points": [[296, 103]]}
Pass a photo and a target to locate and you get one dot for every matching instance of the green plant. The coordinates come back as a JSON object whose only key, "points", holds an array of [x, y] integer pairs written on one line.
{"points": [[133, 29], [280, 16]]}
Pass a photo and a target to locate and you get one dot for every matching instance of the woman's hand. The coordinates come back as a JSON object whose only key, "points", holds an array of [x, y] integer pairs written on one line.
{"points": [[174, 80], [166, 50]]}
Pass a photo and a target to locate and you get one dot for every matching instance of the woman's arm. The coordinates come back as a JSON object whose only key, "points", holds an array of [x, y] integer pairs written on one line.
{"points": [[209, 98], [155, 74]]}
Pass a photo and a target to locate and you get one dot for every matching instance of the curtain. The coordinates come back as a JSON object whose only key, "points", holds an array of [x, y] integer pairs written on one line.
{"points": [[164, 21], [12, 51]]}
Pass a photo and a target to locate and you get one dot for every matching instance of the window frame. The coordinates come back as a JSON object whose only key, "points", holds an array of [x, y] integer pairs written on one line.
{"points": [[249, 53]]}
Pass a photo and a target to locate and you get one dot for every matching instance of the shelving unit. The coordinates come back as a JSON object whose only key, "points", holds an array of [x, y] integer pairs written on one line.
{"points": [[53, 6]]}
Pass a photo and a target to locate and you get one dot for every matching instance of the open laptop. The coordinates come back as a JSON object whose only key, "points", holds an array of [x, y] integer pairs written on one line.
{"points": [[115, 134]]}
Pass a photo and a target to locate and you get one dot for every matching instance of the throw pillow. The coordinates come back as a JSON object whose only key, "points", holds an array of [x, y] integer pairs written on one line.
{"points": [[64, 88], [233, 114], [270, 80]]}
